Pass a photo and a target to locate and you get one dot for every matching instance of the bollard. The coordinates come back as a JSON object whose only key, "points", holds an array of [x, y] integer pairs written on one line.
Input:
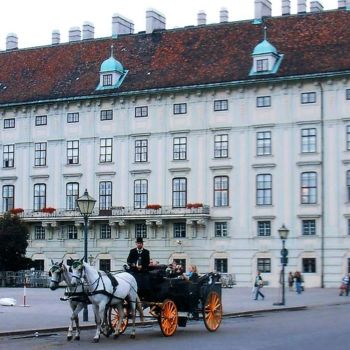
{"points": [[24, 295]]}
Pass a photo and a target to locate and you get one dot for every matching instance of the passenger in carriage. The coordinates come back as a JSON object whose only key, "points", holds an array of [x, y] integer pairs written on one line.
{"points": [[191, 274], [139, 257], [174, 270]]}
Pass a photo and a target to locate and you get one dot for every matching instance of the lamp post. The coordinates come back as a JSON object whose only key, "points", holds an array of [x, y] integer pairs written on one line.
{"points": [[85, 205], [283, 233]]}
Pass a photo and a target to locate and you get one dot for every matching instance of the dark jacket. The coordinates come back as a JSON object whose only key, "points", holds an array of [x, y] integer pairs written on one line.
{"points": [[134, 257]]}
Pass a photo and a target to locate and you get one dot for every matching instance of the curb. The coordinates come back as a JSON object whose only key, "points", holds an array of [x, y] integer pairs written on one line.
{"points": [[39, 332]]}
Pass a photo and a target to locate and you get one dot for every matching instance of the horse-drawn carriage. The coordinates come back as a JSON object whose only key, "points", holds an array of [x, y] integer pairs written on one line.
{"points": [[116, 297], [174, 300]]}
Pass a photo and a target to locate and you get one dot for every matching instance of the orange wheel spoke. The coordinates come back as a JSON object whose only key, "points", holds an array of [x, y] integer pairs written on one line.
{"points": [[212, 312]]}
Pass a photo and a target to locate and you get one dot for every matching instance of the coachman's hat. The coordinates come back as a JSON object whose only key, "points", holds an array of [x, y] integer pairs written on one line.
{"points": [[139, 240]]}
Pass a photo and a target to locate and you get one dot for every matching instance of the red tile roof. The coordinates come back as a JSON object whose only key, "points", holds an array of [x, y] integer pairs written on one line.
{"points": [[311, 43]]}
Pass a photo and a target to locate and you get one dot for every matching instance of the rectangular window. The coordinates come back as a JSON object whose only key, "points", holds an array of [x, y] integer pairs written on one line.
{"points": [[107, 80], [73, 152], [105, 195], [180, 108], [39, 264], [220, 105], [39, 196], [348, 265], [264, 189], [348, 226], [40, 120], [179, 192], [264, 265], [39, 232], [141, 151], [8, 197], [263, 143], [9, 123], [140, 194], [105, 265], [309, 227], [179, 230], [221, 191], [220, 229], [309, 265], [264, 228], [141, 111], [72, 194], [347, 94], [263, 101], [220, 265], [106, 146], [140, 230], [308, 140], [40, 154], [308, 188], [72, 117], [221, 146], [72, 232], [262, 65], [308, 97], [348, 137], [105, 231], [179, 148], [106, 114], [8, 156]]}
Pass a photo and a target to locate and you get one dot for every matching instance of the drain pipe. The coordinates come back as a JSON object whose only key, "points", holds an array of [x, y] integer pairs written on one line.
{"points": [[322, 183]]}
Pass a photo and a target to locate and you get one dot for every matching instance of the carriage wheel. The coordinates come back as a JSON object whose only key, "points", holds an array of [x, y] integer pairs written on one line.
{"points": [[212, 311], [114, 316], [168, 318]]}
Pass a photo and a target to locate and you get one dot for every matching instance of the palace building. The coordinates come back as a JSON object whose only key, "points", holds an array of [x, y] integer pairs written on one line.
{"points": [[203, 140]]}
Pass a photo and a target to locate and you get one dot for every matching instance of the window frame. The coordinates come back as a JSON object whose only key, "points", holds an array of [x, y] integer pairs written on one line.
{"points": [[39, 196], [72, 152], [105, 191], [263, 143], [72, 232], [308, 227], [221, 189], [140, 230], [105, 231], [263, 101], [107, 79], [308, 97], [140, 193], [105, 265], [220, 229], [308, 140], [309, 265], [263, 189], [179, 192], [180, 108], [179, 230], [106, 150], [141, 151], [221, 146], [180, 148], [141, 111], [73, 117], [262, 65], [220, 105], [263, 228], [8, 197], [308, 187], [347, 94], [72, 194], [263, 265], [40, 153], [39, 233], [221, 265], [9, 123], [106, 114], [40, 120], [8, 156]]}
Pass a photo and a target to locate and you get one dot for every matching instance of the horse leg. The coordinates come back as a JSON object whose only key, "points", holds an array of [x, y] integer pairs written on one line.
{"points": [[133, 314], [96, 338], [76, 312], [139, 309], [120, 308], [71, 325]]}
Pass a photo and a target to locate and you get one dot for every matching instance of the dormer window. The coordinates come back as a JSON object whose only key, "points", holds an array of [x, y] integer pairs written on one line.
{"points": [[262, 65], [107, 80], [112, 73]]}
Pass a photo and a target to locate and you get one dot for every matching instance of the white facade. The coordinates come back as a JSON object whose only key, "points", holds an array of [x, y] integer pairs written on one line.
{"points": [[285, 119]]}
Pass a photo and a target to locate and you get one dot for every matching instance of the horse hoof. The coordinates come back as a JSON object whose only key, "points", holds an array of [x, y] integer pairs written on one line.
{"points": [[77, 338], [116, 335], [95, 340], [69, 338], [132, 336]]}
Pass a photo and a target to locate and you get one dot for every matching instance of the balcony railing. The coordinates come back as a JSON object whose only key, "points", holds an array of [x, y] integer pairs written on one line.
{"points": [[117, 211]]}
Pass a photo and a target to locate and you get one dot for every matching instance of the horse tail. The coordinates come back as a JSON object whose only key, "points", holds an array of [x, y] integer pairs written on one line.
{"points": [[139, 308]]}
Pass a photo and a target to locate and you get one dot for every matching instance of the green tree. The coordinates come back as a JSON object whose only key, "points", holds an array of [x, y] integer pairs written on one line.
{"points": [[13, 243]]}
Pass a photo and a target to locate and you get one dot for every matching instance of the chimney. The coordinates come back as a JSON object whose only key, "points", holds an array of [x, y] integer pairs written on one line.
{"points": [[154, 20], [11, 41], [56, 37], [316, 6], [223, 15], [121, 25], [341, 4], [285, 7], [301, 6], [201, 18], [263, 8], [74, 34], [88, 31]]}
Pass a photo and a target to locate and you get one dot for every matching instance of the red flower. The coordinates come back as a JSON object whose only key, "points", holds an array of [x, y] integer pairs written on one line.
{"points": [[153, 206], [49, 210], [16, 211]]}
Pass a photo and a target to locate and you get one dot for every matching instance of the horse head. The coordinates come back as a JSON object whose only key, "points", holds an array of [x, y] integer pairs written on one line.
{"points": [[56, 274], [77, 271]]}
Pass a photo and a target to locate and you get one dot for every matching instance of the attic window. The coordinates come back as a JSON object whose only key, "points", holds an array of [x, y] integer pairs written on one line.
{"points": [[262, 65], [107, 80]]}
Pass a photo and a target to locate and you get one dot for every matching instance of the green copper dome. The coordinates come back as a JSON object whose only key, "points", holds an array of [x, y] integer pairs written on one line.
{"points": [[111, 65], [263, 48]]}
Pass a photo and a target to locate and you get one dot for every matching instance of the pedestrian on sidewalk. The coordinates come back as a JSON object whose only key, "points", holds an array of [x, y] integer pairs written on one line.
{"points": [[290, 281], [258, 284], [298, 281], [344, 287]]}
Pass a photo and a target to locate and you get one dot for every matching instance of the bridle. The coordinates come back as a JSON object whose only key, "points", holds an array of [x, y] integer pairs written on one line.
{"points": [[56, 270]]}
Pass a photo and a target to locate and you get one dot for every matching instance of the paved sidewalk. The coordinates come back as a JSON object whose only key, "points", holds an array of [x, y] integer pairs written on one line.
{"points": [[45, 310]]}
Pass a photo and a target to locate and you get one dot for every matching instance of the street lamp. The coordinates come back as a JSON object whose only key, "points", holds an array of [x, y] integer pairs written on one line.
{"points": [[283, 233], [86, 205]]}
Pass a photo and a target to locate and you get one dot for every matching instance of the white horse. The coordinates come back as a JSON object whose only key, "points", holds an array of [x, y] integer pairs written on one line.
{"points": [[104, 292], [77, 297]]}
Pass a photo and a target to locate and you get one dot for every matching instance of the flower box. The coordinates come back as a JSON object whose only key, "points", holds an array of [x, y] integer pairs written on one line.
{"points": [[153, 206], [194, 205], [16, 211], [48, 210]]}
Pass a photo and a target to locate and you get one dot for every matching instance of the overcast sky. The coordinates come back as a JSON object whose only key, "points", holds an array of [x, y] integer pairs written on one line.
{"points": [[34, 20]]}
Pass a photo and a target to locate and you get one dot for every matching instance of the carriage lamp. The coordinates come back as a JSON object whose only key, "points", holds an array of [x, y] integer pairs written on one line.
{"points": [[283, 233], [86, 205]]}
